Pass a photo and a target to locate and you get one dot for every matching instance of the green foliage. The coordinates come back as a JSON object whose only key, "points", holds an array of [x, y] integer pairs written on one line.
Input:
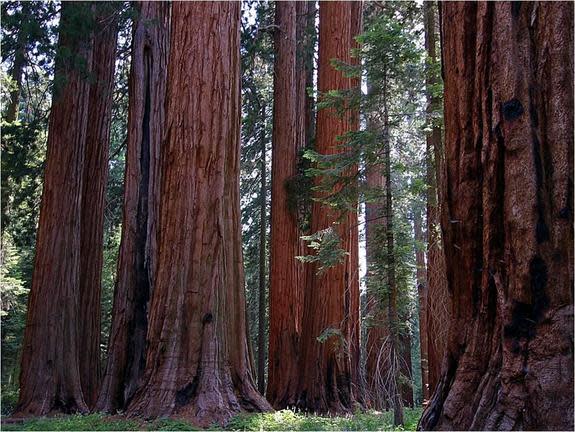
{"points": [[299, 193], [327, 246], [275, 421], [93, 422]]}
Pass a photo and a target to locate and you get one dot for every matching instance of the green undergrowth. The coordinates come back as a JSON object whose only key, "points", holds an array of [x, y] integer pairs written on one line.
{"points": [[285, 420]]}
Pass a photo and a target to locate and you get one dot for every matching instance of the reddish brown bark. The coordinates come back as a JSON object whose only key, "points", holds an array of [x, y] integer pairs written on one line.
{"points": [[508, 217], [138, 249], [50, 371], [421, 280], [438, 301], [285, 286], [197, 364], [326, 379], [93, 197]]}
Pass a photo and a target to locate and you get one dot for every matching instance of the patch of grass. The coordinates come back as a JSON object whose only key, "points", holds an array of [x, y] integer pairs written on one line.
{"points": [[289, 420], [75, 422], [276, 421]]}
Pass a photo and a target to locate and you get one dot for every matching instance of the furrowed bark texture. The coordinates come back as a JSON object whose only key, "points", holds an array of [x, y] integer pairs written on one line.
{"points": [[137, 259], [421, 280], [93, 197], [326, 380], [286, 291], [508, 218], [438, 300], [197, 365], [50, 371]]}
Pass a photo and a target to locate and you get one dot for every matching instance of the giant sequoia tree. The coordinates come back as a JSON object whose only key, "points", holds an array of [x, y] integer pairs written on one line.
{"points": [[286, 291], [94, 180], [329, 332], [138, 249], [508, 217], [197, 363], [50, 369]]}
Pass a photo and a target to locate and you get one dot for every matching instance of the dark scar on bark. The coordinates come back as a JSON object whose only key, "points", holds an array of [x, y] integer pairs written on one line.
{"points": [[185, 395], [525, 316], [208, 318], [512, 109], [515, 8]]}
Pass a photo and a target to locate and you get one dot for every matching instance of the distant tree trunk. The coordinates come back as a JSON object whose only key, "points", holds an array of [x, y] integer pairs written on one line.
{"points": [[18, 66], [438, 301], [392, 313], [262, 268], [197, 364], [137, 259], [353, 264], [508, 217], [406, 383], [93, 197], [286, 291], [50, 371], [376, 362], [421, 280], [306, 39], [326, 380]]}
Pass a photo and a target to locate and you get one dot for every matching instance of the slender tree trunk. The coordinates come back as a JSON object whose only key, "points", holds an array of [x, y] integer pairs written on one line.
{"points": [[353, 263], [93, 197], [137, 259], [262, 269], [50, 371], [376, 363], [197, 364], [406, 383], [285, 285], [508, 217], [326, 380], [421, 280], [438, 301], [18, 66], [394, 338]]}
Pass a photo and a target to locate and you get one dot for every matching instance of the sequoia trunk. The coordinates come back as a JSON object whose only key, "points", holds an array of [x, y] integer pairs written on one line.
{"points": [[508, 217], [50, 370], [138, 248], [93, 197], [438, 301], [286, 291], [326, 377], [197, 365]]}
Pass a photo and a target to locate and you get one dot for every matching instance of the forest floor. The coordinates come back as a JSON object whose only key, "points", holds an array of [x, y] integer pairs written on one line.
{"points": [[280, 420]]}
